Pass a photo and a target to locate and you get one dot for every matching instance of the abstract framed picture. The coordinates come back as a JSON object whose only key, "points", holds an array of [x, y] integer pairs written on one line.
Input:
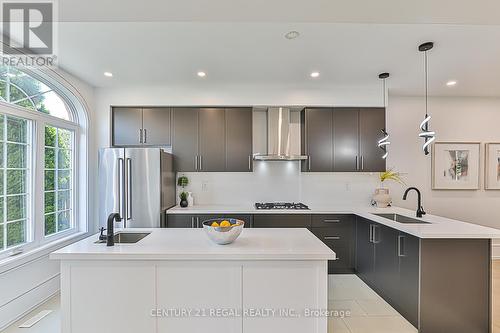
{"points": [[455, 165], [492, 166]]}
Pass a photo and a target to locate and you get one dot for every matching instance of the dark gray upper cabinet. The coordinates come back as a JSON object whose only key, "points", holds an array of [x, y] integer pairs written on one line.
{"points": [[371, 124], [156, 126], [342, 139], [141, 126], [318, 139], [346, 139], [185, 139], [239, 139], [126, 126], [211, 140]]}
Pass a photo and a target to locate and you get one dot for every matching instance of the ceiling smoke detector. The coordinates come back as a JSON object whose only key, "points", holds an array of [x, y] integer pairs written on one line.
{"points": [[292, 34]]}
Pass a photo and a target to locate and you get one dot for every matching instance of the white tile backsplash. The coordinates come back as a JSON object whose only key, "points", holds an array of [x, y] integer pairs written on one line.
{"points": [[281, 181]]}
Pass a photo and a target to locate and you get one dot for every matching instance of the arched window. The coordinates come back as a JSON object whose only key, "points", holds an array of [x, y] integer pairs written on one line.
{"points": [[39, 150], [19, 88]]}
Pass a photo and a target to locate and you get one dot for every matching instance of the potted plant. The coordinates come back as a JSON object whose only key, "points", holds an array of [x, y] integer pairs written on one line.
{"points": [[183, 181], [382, 198]]}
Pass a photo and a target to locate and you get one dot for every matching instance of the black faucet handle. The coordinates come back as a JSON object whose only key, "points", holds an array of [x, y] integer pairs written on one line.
{"points": [[102, 236]]}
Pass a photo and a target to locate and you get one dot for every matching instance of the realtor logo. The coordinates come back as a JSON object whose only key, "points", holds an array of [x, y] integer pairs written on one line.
{"points": [[28, 28]]}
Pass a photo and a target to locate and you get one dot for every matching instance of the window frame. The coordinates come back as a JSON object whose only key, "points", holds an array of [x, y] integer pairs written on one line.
{"points": [[36, 231], [29, 218], [72, 189]]}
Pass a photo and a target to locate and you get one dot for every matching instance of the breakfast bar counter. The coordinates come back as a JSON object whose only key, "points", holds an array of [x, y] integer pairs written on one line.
{"points": [[177, 280]]}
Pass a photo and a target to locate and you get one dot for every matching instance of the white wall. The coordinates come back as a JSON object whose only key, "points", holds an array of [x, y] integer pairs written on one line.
{"points": [[454, 119]]}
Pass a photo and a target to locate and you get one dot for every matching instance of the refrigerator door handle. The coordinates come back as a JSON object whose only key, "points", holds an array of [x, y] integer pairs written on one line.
{"points": [[120, 185], [128, 176]]}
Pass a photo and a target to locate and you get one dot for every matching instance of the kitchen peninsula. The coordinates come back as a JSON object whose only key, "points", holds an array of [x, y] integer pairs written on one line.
{"points": [[434, 271], [177, 280]]}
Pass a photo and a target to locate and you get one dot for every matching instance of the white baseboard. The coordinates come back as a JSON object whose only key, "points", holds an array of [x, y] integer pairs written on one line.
{"points": [[22, 305]]}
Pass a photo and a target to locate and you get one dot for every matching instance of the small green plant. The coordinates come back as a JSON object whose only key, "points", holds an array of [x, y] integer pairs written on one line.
{"points": [[183, 181], [183, 196], [391, 175]]}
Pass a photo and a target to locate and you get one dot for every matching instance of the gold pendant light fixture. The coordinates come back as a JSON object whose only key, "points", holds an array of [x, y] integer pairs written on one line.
{"points": [[428, 135], [384, 142]]}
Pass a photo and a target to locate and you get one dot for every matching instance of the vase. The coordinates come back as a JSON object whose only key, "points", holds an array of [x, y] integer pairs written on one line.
{"points": [[184, 203], [382, 197], [190, 199]]}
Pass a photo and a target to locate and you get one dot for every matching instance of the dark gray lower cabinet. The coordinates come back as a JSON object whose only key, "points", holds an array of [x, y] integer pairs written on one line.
{"points": [[196, 221], [337, 231], [282, 221], [365, 250], [388, 261], [406, 301], [180, 221]]}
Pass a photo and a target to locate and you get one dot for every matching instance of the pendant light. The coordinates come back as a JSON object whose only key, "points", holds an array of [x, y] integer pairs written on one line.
{"points": [[428, 135], [384, 142]]}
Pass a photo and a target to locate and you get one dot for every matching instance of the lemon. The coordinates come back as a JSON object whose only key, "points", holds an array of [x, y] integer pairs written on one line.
{"points": [[225, 223], [215, 224]]}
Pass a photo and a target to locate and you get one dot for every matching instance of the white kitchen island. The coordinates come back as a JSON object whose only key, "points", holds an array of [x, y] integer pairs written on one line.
{"points": [[177, 280]]}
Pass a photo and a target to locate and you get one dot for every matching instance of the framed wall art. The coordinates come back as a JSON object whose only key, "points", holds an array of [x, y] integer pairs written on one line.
{"points": [[455, 165], [492, 166]]}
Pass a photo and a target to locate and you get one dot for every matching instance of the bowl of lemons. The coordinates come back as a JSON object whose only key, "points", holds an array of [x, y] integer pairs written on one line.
{"points": [[224, 230]]}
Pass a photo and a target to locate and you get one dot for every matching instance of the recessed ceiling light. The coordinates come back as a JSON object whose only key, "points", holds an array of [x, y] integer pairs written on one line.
{"points": [[292, 34], [314, 74], [451, 83], [201, 74], [108, 74]]}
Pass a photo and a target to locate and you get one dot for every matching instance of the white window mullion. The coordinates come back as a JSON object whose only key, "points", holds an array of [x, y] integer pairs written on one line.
{"points": [[39, 172]]}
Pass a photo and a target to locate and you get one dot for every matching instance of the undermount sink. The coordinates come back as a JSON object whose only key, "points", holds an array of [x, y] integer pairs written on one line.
{"points": [[401, 218], [127, 237]]}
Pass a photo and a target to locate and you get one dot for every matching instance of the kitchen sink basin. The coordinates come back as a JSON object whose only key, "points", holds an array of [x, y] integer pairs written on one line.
{"points": [[127, 237], [401, 218]]}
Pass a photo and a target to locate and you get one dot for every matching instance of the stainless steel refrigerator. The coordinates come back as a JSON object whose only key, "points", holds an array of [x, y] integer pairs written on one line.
{"points": [[138, 183]]}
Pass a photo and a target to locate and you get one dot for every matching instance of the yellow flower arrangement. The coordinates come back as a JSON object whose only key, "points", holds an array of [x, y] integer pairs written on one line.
{"points": [[391, 175]]}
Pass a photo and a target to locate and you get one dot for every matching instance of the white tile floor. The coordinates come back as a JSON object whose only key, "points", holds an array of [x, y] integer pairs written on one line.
{"points": [[368, 312]]}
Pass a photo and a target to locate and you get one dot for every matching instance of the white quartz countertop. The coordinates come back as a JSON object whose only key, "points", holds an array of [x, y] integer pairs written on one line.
{"points": [[193, 244], [438, 227]]}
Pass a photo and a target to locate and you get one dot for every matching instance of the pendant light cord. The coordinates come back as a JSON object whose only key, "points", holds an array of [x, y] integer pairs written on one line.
{"points": [[426, 85], [384, 94]]}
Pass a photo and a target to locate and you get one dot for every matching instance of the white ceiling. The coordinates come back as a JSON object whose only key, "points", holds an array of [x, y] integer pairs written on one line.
{"points": [[326, 11], [170, 53]]}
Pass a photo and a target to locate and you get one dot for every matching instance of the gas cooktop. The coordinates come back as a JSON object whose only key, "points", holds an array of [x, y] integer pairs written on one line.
{"points": [[280, 205]]}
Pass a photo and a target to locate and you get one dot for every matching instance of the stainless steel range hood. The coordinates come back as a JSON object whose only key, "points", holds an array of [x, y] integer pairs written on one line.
{"points": [[278, 137]]}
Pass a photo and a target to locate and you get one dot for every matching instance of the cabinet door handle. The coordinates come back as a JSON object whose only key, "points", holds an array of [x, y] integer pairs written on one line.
{"points": [[249, 162], [375, 240], [332, 237], [400, 246], [331, 221], [362, 162], [140, 135], [309, 163], [195, 162], [357, 163], [145, 136], [371, 233], [198, 222], [201, 165], [192, 221]]}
